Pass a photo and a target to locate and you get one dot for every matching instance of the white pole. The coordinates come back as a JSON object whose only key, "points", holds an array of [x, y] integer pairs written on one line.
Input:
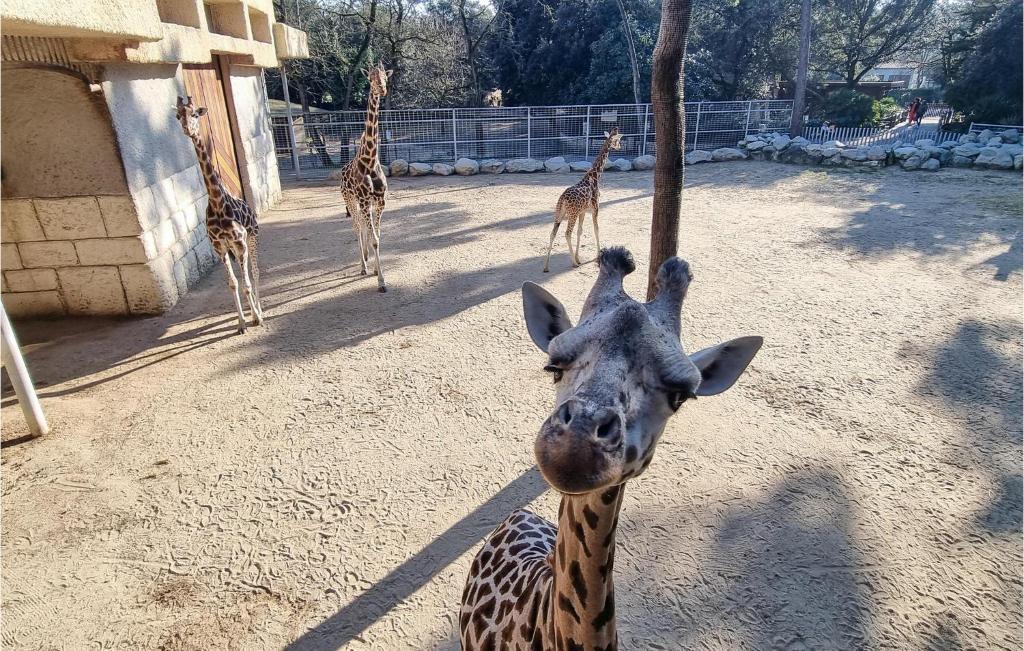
{"points": [[643, 145], [586, 133], [23, 388], [455, 136], [291, 123], [529, 144], [696, 127], [746, 127]]}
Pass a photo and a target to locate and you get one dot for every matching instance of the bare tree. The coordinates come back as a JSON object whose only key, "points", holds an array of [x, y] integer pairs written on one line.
{"points": [[670, 132], [796, 125], [634, 64], [468, 19]]}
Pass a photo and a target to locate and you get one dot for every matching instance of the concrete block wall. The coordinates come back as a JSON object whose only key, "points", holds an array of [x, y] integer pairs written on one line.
{"points": [[258, 162]]}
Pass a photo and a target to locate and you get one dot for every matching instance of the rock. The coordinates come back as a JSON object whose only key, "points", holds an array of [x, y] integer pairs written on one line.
{"points": [[399, 167], [799, 141], [831, 161], [969, 149], [968, 137], [994, 158], [814, 152], [1012, 150], [1018, 160], [903, 153], [443, 169], [780, 141], [727, 153], [580, 166], [931, 165], [913, 162], [962, 161], [643, 162], [622, 165], [834, 143], [940, 154], [698, 156], [859, 154], [556, 164], [830, 152], [751, 137], [985, 135], [420, 169], [756, 145], [1010, 135], [523, 165], [994, 142], [877, 152], [607, 164], [924, 143], [466, 167], [949, 144], [870, 165], [492, 166]]}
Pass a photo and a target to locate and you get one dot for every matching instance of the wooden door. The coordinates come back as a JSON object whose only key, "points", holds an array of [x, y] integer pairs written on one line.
{"points": [[204, 84]]}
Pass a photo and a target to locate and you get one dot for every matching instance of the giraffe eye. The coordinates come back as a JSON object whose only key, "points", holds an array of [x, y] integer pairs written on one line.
{"points": [[555, 372], [677, 398]]}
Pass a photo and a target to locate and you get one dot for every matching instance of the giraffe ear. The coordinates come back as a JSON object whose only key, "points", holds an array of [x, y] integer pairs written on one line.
{"points": [[545, 315], [606, 134], [389, 73], [201, 111]]}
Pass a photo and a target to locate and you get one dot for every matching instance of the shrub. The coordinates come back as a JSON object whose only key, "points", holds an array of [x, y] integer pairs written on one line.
{"points": [[846, 108], [884, 110]]}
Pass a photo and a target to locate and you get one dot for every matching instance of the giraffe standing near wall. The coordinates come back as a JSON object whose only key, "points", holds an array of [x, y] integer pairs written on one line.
{"points": [[582, 198], [230, 221], [363, 183], [619, 375]]}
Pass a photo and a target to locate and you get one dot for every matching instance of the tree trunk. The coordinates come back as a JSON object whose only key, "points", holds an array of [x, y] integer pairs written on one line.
{"points": [[358, 59], [632, 52], [669, 132], [796, 125]]}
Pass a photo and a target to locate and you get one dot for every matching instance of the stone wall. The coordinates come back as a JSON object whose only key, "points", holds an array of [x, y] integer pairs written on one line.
{"points": [[258, 161]]}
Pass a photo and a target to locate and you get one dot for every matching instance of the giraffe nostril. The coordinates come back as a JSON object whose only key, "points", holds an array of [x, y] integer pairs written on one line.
{"points": [[608, 431]]}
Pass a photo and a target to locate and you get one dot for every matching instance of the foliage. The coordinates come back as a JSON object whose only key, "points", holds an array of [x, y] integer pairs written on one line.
{"points": [[988, 84], [884, 110], [846, 108], [904, 96]]}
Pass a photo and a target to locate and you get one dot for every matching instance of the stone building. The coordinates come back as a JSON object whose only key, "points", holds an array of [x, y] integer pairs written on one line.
{"points": [[103, 203]]}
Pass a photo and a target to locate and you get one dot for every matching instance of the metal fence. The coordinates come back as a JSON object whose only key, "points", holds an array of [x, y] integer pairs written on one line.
{"points": [[320, 142], [868, 136], [978, 127]]}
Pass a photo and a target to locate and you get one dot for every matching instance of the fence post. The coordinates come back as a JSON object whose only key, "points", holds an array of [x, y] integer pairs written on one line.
{"points": [[586, 134], [455, 137], [696, 127], [643, 146], [529, 144], [291, 124], [746, 127], [21, 380]]}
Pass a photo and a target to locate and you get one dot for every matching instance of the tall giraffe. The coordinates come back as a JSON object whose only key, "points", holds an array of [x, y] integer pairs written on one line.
{"points": [[619, 375], [582, 198], [363, 183], [230, 221]]}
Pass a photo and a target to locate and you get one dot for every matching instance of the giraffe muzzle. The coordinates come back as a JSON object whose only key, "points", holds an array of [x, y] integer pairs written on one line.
{"points": [[579, 448]]}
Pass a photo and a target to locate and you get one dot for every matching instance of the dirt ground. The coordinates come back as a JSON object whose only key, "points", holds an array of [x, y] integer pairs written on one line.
{"points": [[324, 481]]}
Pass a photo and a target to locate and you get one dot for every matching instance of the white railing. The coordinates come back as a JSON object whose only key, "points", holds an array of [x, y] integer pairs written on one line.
{"points": [[978, 127], [319, 142], [867, 136]]}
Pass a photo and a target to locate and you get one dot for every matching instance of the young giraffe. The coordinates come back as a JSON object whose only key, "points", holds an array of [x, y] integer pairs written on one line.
{"points": [[363, 184], [584, 197], [230, 221], [619, 375]]}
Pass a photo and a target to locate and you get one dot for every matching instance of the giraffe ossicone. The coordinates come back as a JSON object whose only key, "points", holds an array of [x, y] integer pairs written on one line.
{"points": [[230, 221], [579, 199], [619, 375]]}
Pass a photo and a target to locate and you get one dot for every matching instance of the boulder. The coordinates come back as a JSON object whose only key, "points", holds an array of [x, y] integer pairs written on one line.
{"points": [[622, 165], [924, 143], [443, 169], [940, 154], [870, 165], [985, 135], [949, 144], [466, 166], [1010, 135], [780, 141], [962, 161], [833, 143], [492, 166], [756, 145], [698, 156], [994, 158], [994, 142], [1018, 162], [830, 152], [931, 165], [1012, 150], [859, 154], [903, 153], [799, 141], [727, 153], [419, 169], [523, 165], [580, 166], [968, 137], [831, 161], [643, 162], [968, 149], [913, 162], [751, 137], [877, 152], [556, 164], [399, 167]]}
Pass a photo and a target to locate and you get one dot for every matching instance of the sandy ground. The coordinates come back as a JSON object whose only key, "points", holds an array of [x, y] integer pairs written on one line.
{"points": [[324, 481]]}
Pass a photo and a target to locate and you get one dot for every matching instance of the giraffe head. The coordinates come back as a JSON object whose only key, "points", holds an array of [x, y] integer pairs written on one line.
{"points": [[188, 115], [614, 139], [378, 77], [620, 374]]}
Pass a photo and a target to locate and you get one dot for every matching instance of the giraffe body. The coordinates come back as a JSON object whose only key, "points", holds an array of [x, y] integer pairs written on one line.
{"points": [[230, 222], [582, 198], [619, 375], [364, 185]]}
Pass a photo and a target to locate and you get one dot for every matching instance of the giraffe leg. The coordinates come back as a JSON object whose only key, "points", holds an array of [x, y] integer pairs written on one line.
{"points": [[551, 242], [597, 235], [375, 242], [233, 284], [254, 308], [579, 236], [362, 250], [568, 241]]}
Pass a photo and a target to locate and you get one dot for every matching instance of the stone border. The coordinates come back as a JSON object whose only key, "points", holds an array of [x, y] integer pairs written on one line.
{"points": [[469, 167]]}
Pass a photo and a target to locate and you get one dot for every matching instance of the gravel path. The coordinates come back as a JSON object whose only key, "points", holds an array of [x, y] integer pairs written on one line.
{"points": [[324, 481]]}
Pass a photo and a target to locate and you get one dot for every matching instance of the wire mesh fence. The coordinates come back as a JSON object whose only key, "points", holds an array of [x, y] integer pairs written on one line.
{"points": [[320, 142]]}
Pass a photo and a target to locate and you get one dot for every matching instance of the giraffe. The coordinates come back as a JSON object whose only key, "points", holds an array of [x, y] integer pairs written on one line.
{"points": [[619, 376], [363, 184], [582, 198], [230, 221]]}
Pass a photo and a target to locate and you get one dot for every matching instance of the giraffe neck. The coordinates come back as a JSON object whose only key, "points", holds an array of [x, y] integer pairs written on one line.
{"points": [[598, 166], [210, 175], [368, 142], [583, 596]]}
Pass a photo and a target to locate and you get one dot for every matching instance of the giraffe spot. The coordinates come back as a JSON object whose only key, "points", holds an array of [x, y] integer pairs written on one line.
{"points": [[578, 530], [565, 605], [631, 454], [609, 495], [578, 584], [591, 517], [503, 572], [607, 613], [516, 549], [573, 645], [487, 644]]}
